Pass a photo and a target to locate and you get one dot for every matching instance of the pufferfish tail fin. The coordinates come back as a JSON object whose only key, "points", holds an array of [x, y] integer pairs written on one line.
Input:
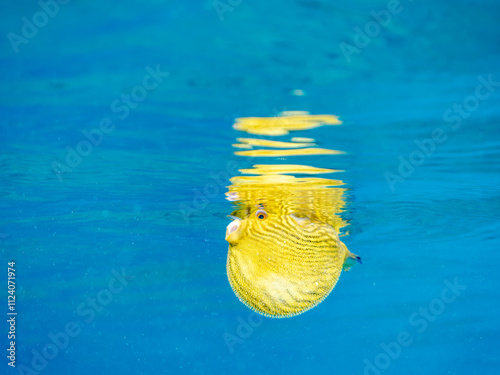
{"points": [[350, 260]]}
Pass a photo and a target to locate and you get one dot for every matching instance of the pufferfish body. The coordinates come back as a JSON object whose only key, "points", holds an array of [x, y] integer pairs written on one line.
{"points": [[281, 265]]}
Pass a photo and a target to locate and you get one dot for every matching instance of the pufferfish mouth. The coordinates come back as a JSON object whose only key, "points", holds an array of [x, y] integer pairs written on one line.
{"points": [[232, 227]]}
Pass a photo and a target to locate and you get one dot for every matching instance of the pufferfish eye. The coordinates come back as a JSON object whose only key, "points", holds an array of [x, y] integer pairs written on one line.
{"points": [[261, 214]]}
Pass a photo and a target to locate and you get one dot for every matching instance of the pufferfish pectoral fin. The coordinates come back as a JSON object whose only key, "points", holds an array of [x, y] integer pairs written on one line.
{"points": [[302, 221], [308, 222]]}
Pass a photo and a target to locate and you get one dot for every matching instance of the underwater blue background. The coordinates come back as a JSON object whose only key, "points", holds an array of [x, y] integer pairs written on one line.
{"points": [[147, 203]]}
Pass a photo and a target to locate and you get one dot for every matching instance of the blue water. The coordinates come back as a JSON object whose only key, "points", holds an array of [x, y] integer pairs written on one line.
{"points": [[121, 209]]}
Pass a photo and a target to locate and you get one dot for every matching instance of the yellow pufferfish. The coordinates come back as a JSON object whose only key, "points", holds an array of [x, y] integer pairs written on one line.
{"points": [[285, 255], [281, 266]]}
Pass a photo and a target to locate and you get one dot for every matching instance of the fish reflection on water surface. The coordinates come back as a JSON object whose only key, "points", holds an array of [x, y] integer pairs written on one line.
{"points": [[285, 255]]}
